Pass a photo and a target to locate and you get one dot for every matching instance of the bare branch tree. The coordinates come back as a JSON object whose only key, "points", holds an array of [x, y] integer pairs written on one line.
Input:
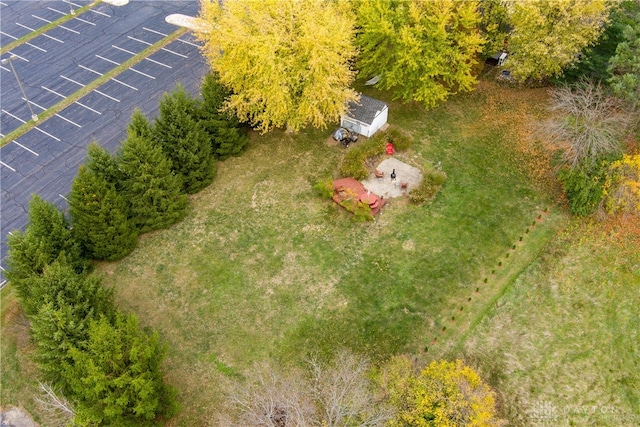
{"points": [[586, 123], [329, 395], [59, 410], [273, 400], [344, 393]]}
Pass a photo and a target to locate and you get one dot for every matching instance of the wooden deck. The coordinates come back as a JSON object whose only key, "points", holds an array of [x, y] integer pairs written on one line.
{"points": [[349, 188]]}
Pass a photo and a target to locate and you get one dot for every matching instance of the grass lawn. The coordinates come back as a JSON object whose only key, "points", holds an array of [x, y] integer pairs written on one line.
{"points": [[563, 345], [262, 268]]}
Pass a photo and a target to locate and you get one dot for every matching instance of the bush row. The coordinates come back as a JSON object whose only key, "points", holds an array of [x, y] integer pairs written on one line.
{"points": [[95, 355]]}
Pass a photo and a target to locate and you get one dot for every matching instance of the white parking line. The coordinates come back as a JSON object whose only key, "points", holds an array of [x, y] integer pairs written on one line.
{"points": [[57, 115], [88, 108], [26, 148], [140, 72], [46, 133], [4, 4], [6, 165], [68, 121], [11, 115], [156, 32], [139, 41], [124, 50], [124, 84], [31, 102], [69, 29], [36, 47], [67, 200], [99, 13], [89, 69], [192, 44], [9, 35], [71, 80], [108, 60], [52, 91], [175, 53], [6, 69], [52, 38], [24, 26], [57, 11], [86, 22], [105, 95], [19, 57], [42, 19], [157, 62]]}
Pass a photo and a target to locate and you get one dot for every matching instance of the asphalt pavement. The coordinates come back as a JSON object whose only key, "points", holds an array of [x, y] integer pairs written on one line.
{"points": [[45, 160]]}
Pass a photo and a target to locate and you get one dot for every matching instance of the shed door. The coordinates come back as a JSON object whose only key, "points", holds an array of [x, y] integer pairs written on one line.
{"points": [[355, 127]]}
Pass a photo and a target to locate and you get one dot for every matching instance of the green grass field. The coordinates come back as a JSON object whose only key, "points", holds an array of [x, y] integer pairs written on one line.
{"points": [[262, 268]]}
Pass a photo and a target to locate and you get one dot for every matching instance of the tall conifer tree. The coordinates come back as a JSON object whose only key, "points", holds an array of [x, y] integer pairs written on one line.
{"points": [[99, 217]]}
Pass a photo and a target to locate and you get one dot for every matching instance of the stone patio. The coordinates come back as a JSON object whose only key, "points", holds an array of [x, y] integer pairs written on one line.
{"points": [[387, 188]]}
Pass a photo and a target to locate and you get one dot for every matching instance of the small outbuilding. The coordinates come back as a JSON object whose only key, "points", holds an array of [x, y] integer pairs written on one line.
{"points": [[365, 116]]}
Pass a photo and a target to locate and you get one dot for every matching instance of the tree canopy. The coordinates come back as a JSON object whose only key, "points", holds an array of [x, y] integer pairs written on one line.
{"points": [[184, 140], [625, 64], [47, 238], [286, 62], [422, 50], [100, 217], [445, 394], [549, 35]]}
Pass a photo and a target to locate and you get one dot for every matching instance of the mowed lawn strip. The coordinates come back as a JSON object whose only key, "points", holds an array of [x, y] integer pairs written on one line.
{"points": [[32, 35], [262, 268], [91, 86], [563, 345]]}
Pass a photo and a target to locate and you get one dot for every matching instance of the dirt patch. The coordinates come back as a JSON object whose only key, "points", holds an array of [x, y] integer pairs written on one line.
{"points": [[388, 188], [15, 417]]}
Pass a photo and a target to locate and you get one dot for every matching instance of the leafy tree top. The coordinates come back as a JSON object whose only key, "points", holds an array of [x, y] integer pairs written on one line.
{"points": [[287, 62], [422, 50], [549, 35]]}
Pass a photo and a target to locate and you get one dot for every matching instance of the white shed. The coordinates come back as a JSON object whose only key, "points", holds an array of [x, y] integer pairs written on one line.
{"points": [[365, 116]]}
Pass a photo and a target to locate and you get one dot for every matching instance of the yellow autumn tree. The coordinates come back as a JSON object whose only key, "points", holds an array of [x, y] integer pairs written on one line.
{"points": [[549, 35], [444, 394], [422, 50], [286, 62], [621, 189]]}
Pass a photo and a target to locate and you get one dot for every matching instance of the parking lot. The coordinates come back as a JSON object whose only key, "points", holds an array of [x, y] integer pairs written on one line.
{"points": [[55, 65]]}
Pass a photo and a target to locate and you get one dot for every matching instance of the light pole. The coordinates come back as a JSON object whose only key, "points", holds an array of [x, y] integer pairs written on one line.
{"points": [[34, 116]]}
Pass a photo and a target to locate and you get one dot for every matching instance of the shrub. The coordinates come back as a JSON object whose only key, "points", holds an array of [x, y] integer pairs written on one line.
{"points": [[354, 164], [429, 187], [401, 140], [621, 189], [324, 188], [584, 185], [362, 212]]}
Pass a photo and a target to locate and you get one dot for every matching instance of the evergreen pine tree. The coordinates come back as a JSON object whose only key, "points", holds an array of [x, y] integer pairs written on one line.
{"points": [[115, 378], [99, 217], [153, 191], [46, 239], [227, 136], [184, 141], [139, 125], [62, 305], [103, 164]]}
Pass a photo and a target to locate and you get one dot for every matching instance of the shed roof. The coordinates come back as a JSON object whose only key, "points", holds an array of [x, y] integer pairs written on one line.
{"points": [[366, 109]]}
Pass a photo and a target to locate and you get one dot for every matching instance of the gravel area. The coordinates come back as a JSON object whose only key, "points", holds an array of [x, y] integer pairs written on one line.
{"points": [[14, 417], [388, 188]]}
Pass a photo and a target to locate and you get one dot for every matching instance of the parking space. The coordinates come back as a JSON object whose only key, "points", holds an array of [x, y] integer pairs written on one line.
{"points": [[112, 36], [45, 160]]}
